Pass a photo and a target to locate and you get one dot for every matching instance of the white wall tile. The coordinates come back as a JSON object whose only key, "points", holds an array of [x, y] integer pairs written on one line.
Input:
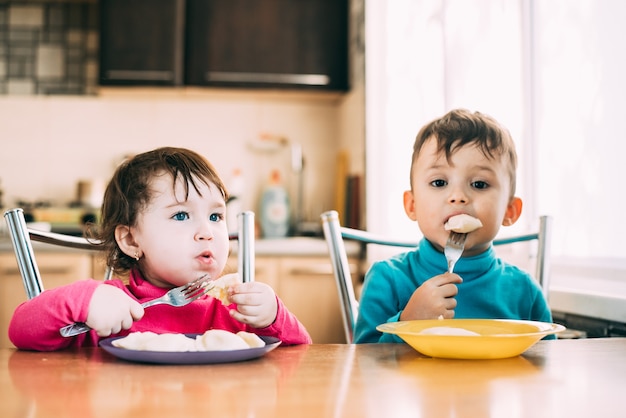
{"points": [[26, 15], [50, 62], [15, 86], [59, 140]]}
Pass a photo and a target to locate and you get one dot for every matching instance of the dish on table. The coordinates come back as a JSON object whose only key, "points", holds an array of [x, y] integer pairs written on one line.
{"points": [[189, 357], [496, 338]]}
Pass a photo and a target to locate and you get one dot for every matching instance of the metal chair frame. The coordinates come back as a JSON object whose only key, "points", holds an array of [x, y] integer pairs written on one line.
{"points": [[22, 237], [335, 235]]}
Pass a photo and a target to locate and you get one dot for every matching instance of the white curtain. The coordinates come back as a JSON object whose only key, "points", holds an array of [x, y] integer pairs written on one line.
{"points": [[552, 71], [423, 58]]}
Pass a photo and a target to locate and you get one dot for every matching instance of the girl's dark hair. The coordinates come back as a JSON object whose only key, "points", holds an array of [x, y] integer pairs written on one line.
{"points": [[129, 192], [461, 127]]}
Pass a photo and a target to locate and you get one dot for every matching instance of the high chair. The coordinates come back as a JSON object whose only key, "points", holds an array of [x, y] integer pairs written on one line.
{"points": [[335, 234], [21, 237]]}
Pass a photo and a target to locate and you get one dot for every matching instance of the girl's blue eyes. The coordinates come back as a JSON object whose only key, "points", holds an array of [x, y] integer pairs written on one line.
{"points": [[216, 217], [181, 216]]}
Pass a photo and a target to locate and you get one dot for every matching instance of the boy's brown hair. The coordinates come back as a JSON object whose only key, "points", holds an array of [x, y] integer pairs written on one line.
{"points": [[129, 192], [459, 128]]}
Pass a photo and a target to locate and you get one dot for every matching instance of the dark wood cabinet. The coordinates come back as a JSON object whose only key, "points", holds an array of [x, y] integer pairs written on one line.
{"points": [[294, 44], [142, 42], [269, 43]]}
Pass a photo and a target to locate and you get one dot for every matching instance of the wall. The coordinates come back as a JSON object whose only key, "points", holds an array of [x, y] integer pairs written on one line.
{"points": [[49, 143], [53, 135]]}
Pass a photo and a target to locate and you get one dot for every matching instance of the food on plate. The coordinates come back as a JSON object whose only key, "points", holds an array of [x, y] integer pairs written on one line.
{"points": [[448, 331], [253, 340], [462, 223], [150, 341], [217, 339], [220, 289], [211, 340]]}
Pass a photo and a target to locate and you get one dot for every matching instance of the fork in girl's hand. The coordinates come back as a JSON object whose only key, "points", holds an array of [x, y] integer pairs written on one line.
{"points": [[179, 296]]}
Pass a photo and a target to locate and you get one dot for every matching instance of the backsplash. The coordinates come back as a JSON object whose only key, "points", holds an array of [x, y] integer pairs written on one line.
{"points": [[59, 127], [48, 48], [51, 142]]}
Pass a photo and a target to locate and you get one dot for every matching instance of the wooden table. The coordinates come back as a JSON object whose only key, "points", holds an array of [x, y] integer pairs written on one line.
{"points": [[564, 378]]}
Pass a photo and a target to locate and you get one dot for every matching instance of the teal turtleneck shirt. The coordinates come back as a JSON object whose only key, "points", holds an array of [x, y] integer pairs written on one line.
{"points": [[491, 288]]}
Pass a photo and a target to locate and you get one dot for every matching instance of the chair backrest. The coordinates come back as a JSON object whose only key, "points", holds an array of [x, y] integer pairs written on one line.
{"points": [[22, 237], [335, 234]]}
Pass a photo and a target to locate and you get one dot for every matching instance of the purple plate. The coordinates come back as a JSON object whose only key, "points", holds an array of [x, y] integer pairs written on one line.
{"points": [[189, 357]]}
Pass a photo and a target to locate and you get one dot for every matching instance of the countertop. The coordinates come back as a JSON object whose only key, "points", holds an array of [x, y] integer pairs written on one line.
{"points": [[597, 298], [297, 246], [291, 246]]}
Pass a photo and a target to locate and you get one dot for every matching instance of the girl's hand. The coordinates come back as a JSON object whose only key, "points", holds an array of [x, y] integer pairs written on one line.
{"points": [[256, 304], [433, 299], [111, 310]]}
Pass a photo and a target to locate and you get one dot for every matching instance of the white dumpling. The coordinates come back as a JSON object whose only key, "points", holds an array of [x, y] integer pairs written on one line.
{"points": [[462, 223], [150, 341], [217, 339], [220, 286], [170, 342], [251, 339], [448, 331], [134, 340], [211, 340]]}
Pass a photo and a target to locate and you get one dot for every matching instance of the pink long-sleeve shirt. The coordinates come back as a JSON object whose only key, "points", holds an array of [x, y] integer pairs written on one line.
{"points": [[35, 323]]}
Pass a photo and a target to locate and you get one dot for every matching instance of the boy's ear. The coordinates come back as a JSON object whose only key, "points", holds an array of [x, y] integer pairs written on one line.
{"points": [[126, 242], [409, 205], [513, 211]]}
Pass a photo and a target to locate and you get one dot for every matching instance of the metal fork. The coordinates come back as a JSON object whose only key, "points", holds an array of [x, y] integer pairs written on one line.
{"points": [[179, 296], [454, 248]]}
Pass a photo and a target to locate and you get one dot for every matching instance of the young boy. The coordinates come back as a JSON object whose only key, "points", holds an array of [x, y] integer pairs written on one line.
{"points": [[463, 163]]}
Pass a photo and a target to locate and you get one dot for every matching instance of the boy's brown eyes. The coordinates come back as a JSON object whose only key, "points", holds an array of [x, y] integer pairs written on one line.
{"points": [[480, 185], [475, 184]]}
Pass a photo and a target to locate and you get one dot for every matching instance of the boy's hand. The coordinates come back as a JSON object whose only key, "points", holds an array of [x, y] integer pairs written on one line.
{"points": [[111, 310], [433, 299], [256, 304]]}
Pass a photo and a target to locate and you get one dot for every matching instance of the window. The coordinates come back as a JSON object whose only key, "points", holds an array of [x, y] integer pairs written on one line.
{"points": [[579, 89], [549, 70]]}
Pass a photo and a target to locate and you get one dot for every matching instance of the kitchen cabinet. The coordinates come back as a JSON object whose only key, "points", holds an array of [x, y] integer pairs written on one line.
{"points": [[271, 43], [265, 269], [56, 268], [580, 325], [306, 285], [141, 42], [296, 44]]}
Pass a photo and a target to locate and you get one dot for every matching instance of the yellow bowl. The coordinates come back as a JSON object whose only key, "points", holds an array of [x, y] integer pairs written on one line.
{"points": [[497, 338]]}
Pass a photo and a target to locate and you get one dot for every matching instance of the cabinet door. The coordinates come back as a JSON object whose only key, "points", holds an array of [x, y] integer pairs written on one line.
{"points": [[269, 43], [308, 289], [56, 269], [265, 269], [141, 42]]}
